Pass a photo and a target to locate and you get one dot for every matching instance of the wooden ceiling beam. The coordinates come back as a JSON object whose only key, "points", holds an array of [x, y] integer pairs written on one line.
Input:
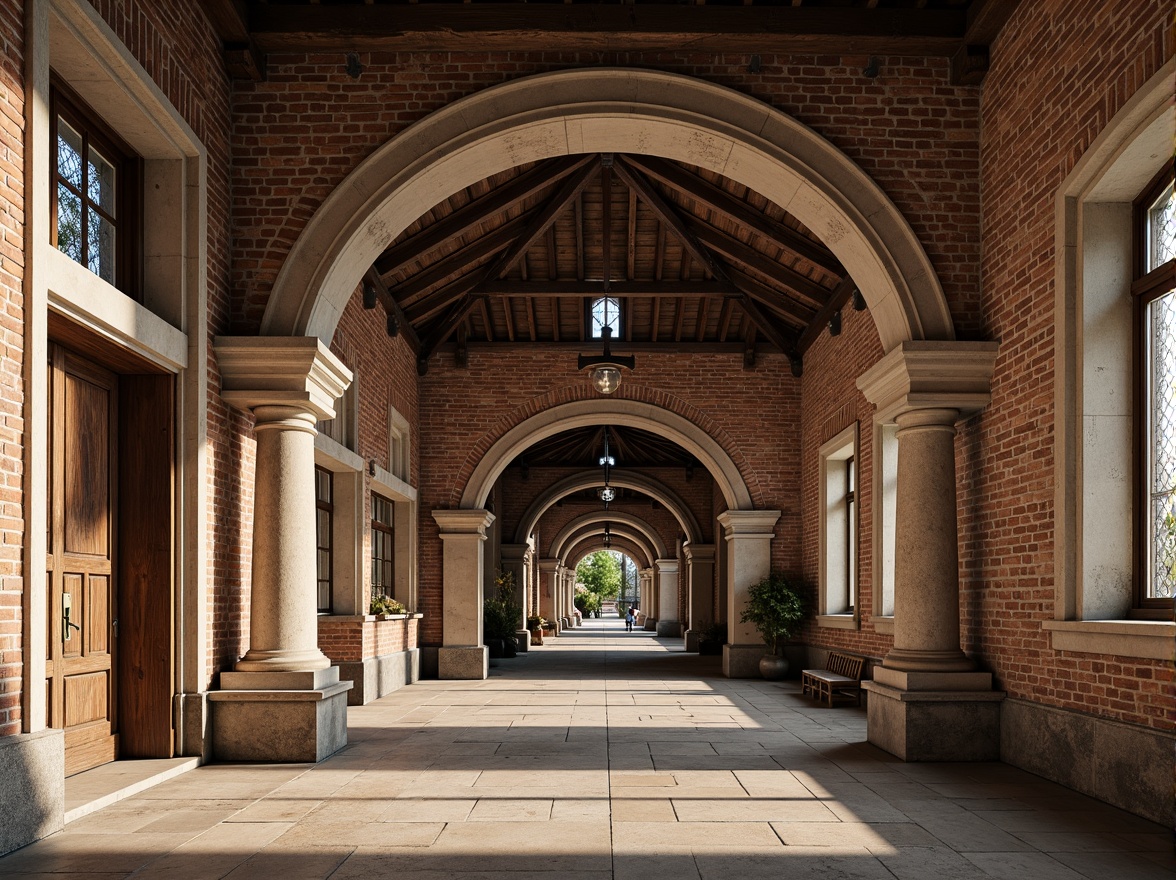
{"points": [[736, 210], [749, 259], [578, 27], [640, 346], [798, 313], [415, 288], [837, 301], [230, 19], [470, 215], [392, 309], [593, 289]]}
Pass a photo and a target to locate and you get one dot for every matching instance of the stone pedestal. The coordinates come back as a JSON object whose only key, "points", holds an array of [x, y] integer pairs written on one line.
{"points": [[281, 717], [748, 534], [926, 703], [462, 655]]}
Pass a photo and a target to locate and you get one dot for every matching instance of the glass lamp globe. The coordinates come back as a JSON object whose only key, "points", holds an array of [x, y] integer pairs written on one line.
{"points": [[608, 493], [606, 379]]}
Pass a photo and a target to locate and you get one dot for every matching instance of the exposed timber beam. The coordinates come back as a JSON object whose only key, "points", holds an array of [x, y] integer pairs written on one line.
{"points": [[392, 309], [837, 301], [230, 19], [478, 211], [413, 289], [664, 347], [577, 27], [736, 210], [750, 259], [592, 289]]}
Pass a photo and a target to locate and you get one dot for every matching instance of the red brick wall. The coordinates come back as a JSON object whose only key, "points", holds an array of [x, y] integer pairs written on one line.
{"points": [[354, 639], [12, 262], [1087, 58]]}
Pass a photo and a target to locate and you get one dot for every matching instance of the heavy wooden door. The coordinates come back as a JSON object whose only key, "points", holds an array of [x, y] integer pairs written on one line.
{"points": [[82, 690]]}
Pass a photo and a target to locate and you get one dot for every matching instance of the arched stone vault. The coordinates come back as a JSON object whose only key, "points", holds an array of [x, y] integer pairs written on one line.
{"points": [[592, 523], [622, 479], [601, 110], [613, 411], [590, 543]]}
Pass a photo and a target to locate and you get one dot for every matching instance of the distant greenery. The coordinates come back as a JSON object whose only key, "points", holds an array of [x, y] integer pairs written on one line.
{"points": [[600, 573]]}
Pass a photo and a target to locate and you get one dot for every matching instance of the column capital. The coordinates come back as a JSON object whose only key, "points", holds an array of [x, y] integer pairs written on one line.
{"points": [[699, 552], [665, 566], [515, 552], [280, 371], [549, 565], [748, 523], [931, 375], [463, 521]]}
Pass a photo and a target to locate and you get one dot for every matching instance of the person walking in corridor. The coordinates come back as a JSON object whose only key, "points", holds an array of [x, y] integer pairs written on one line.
{"points": [[630, 616]]}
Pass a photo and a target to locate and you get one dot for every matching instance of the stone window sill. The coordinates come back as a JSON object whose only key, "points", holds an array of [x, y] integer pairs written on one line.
{"points": [[884, 625], [1146, 639], [837, 621]]}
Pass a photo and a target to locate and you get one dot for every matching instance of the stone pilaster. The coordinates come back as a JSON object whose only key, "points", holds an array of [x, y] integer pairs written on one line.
{"points": [[284, 700], [748, 534], [667, 599], [700, 584], [548, 589], [462, 654], [648, 600], [926, 703], [516, 558]]}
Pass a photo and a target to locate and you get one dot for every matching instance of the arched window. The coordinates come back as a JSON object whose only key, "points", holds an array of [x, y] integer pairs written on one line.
{"points": [[605, 311]]}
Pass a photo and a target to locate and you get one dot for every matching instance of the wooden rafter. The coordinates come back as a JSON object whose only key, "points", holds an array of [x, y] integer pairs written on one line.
{"points": [[392, 309], [573, 26], [736, 210], [837, 301], [750, 259], [478, 211], [591, 289]]}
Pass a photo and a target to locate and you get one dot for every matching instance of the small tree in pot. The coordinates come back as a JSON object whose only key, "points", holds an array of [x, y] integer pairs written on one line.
{"points": [[777, 608]]}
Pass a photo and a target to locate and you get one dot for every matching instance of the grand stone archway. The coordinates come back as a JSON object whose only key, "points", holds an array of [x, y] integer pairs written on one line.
{"points": [[603, 110]]}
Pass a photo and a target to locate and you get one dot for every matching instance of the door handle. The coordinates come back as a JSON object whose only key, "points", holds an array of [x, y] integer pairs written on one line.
{"points": [[65, 608]]}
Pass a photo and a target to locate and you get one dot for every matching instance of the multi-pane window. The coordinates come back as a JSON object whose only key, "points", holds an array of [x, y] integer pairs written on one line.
{"points": [[324, 509], [839, 526], [383, 551], [1155, 310], [604, 312], [850, 503], [92, 196]]}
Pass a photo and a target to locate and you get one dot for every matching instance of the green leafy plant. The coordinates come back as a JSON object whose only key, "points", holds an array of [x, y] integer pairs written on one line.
{"points": [[715, 632], [777, 607], [500, 613], [386, 605], [535, 622]]}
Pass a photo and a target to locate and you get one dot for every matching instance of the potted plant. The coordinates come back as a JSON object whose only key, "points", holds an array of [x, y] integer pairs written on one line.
{"points": [[714, 636], [535, 624], [385, 607], [499, 617], [776, 607]]}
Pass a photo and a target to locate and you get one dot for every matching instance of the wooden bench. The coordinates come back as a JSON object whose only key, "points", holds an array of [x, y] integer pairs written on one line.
{"points": [[843, 677]]}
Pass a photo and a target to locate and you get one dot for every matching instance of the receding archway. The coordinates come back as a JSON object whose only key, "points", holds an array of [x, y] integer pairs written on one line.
{"points": [[621, 479], [610, 110], [593, 523], [613, 412]]}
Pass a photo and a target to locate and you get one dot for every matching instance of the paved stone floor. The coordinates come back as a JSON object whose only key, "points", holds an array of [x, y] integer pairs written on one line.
{"points": [[605, 755]]}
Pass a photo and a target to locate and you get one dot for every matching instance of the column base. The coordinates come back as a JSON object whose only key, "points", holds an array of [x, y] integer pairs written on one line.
{"points": [[692, 637], [670, 629], [523, 637], [279, 717], [650, 624], [921, 724], [466, 663], [742, 661], [32, 777]]}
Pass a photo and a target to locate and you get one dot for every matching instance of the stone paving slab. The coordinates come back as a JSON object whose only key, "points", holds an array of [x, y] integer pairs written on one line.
{"points": [[598, 757]]}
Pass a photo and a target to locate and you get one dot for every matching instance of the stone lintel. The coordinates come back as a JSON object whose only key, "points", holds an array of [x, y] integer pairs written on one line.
{"points": [[931, 375], [749, 523], [933, 681], [699, 552], [463, 521], [295, 371], [279, 681]]}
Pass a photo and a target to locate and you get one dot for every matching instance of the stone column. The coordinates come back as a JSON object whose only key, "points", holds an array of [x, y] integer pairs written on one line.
{"points": [[649, 601], [748, 534], [516, 558], [700, 580], [462, 654], [283, 701], [925, 702], [548, 590], [667, 599]]}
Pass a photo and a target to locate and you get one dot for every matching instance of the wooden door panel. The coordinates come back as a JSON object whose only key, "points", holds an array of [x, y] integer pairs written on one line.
{"points": [[98, 619], [73, 595], [86, 698], [86, 501]]}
